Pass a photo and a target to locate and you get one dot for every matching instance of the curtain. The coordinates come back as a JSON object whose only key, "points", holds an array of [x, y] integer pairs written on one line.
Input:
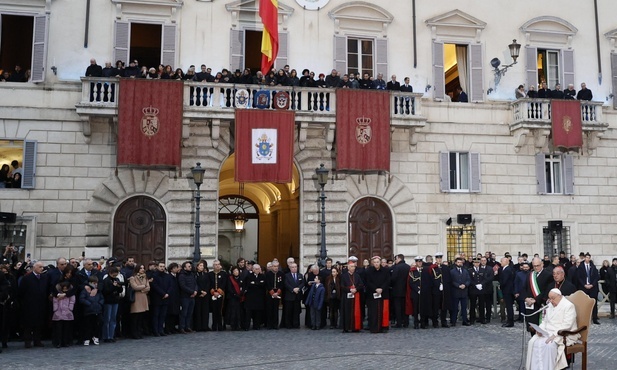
{"points": [[461, 61]]}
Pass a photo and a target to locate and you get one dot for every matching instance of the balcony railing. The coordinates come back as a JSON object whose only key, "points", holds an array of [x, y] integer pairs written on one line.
{"points": [[200, 97], [537, 112]]}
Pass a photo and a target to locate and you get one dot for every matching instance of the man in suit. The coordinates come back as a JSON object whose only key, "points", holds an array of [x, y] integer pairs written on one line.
{"points": [[506, 283], [588, 277], [274, 286], [536, 288], [520, 279], [255, 298], [398, 281], [294, 282], [460, 287], [160, 290], [611, 277], [476, 291], [462, 96], [33, 293]]}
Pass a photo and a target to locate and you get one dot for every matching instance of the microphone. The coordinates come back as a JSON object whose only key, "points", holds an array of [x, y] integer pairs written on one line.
{"points": [[539, 310]]}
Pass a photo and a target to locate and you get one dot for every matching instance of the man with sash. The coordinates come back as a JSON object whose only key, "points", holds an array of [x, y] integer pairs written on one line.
{"points": [[378, 296], [218, 287], [274, 285], [351, 286], [536, 289]]}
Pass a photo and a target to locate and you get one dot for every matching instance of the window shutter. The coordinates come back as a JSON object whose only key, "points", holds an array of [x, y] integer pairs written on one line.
{"points": [[381, 57], [568, 68], [39, 48], [568, 174], [540, 173], [121, 41], [474, 164], [444, 172], [438, 72], [29, 164], [477, 74], [169, 45], [282, 57], [340, 54], [237, 49], [614, 74], [531, 66]]}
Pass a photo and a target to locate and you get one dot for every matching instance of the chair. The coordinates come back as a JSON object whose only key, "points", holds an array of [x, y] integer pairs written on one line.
{"points": [[584, 306]]}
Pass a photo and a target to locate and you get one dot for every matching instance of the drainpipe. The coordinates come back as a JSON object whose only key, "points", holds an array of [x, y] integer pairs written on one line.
{"points": [[413, 22], [595, 6]]}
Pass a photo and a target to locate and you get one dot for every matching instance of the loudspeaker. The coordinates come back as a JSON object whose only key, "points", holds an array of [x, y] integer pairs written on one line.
{"points": [[555, 225], [8, 218], [463, 219]]}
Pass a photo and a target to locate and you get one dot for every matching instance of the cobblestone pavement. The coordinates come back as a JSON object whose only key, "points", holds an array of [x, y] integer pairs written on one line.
{"points": [[476, 347]]}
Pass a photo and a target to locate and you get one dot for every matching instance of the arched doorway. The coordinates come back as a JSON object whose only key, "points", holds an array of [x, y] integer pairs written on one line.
{"points": [[139, 230], [370, 229], [273, 226]]}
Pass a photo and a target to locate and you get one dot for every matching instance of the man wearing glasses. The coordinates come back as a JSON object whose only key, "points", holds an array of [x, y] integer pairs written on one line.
{"points": [[536, 289]]}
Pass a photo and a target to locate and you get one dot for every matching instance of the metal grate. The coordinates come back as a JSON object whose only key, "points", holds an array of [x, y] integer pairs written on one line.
{"points": [[461, 239], [556, 240]]}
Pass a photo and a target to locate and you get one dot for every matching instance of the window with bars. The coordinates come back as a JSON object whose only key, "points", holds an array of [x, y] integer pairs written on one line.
{"points": [[460, 239], [556, 240]]}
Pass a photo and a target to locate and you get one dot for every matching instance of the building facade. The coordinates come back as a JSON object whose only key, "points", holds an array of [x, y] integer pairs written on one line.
{"points": [[464, 177]]}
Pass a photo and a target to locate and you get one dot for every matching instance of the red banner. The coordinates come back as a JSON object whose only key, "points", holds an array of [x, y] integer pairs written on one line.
{"points": [[567, 126], [264, 145], [150, 122], [362, 130]]}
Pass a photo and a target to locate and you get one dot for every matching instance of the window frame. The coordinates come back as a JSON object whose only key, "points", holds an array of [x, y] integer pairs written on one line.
{"points": [[473, 172], [565, 177], [360, 70], [28, 162]]}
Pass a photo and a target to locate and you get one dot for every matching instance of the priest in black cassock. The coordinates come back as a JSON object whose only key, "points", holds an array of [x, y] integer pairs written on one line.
{"points": [[378, 297], [351, 286]]}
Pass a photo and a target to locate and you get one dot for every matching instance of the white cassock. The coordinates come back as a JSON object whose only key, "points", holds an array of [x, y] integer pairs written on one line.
{"points": [[551, 356]]}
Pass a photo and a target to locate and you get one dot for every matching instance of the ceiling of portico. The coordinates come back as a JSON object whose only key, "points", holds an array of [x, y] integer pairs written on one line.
{"points": [[264, 194]]}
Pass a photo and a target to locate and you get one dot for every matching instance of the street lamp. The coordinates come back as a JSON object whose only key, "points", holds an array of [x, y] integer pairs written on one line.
{"points": [[322, 180], [198, 178], [239, 221], [515, 49]]}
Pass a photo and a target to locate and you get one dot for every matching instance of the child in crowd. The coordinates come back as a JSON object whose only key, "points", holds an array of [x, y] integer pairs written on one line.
{"points": [[62, 319], [315, 301], [92, 301]]}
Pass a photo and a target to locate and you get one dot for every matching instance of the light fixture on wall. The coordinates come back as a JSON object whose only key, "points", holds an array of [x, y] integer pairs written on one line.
{"points": [[515, 49]]}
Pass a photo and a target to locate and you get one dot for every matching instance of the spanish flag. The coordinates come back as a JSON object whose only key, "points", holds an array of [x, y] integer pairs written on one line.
{"points": [[268, 11]]}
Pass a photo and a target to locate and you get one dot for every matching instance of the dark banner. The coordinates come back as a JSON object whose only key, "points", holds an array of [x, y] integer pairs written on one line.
{"points": [[362, 130], [150, 122], [567, 125], [264, 145]]}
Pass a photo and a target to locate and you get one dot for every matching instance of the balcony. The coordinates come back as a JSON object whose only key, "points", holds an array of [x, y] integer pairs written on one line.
{"points": [[533, 117], [218, 102]]}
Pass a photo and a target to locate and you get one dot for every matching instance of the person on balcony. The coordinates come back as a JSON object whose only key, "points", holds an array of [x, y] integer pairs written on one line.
{"points": [[462, 96], [366, 83], [570, 93], [380, 83], [352, 83], [132, 71], [557, 93], [584, 93], [532, 93], [520, 92], [94, 70], [544, 92]]}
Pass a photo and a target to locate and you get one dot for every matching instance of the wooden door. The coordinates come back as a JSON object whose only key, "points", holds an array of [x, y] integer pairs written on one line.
{"points": [[139, 230], [370, 229]]}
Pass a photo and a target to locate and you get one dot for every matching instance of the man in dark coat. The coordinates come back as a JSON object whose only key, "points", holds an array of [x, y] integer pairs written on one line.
{"points": [[537, 288], [520, 279], [611, 276], [588, 278], [274, 286], [173, 307], [477, 292], [34, 297], [94, 70], [219, 280], [160, 290], [377, 297], [398, 278], [566, 287], [254, 298], [460, 287], [188, 291], [352, 287], [294, 282], [426, 293], [506, 284], [584, 93], [415, 286]]}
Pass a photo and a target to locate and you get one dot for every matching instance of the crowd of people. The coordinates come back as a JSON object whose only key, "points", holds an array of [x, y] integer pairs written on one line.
{"points": [[281, 77], [10, 176], [545, 93], [17, 75], [88, 301]]}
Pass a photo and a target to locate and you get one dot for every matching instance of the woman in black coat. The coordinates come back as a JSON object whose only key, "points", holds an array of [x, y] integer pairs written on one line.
{"points": [[235, 297], [201, 314]]}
